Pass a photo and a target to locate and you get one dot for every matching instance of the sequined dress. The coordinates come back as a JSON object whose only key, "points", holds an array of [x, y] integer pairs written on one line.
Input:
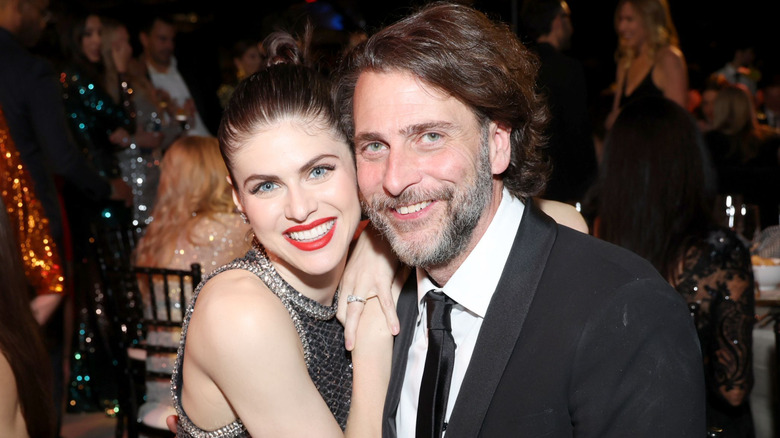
{"points": [[322, 337]]}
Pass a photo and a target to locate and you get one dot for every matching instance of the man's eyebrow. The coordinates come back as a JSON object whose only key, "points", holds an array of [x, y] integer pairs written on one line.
{"points": [[406, 131], [420, 128]]}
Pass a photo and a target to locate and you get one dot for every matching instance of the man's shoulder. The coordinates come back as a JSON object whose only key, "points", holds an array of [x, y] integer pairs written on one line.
{"points": [[599, 265]]}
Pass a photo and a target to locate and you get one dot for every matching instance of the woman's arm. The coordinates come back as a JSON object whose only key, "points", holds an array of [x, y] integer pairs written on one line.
{"points": [[242, 349], [673, 75]]}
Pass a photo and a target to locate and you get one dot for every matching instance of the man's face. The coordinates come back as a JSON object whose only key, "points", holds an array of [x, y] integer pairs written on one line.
{"points": [[159, 43], [424, 166], [34, 16]]}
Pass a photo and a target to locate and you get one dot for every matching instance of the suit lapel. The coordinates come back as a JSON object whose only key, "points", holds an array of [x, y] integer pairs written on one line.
{"points": [[407, 314], [503, 321]]}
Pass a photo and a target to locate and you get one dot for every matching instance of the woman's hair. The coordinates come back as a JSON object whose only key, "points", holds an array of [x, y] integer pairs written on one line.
{"points": [[657, 22], [286, 89], [73, 30], [656, 184], [735, 117], [192, 185], [20, 338]]}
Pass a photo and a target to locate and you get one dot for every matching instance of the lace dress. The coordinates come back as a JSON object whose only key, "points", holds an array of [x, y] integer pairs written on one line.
{"points": [[717, 274], [322, 337]]}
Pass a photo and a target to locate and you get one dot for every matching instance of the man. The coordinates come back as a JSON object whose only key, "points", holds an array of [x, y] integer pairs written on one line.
{"points": [[740, 69], [158, 42], [562, 81], [30, 98], [556, 333]]}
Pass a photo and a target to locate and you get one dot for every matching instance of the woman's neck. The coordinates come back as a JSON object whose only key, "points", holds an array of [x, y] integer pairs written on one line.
{"points": [[321, 287]]}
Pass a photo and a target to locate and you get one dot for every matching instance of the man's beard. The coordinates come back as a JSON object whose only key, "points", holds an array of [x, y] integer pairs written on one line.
{"points": [[465, 206]]}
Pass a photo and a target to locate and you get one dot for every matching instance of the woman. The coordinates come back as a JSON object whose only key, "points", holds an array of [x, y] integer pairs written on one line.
{"points": [[195, 220], [746, 154], [246, 59], [100, 128], [655, 198], [26, 408], [261, 351], [139, 162], [649, 60]]}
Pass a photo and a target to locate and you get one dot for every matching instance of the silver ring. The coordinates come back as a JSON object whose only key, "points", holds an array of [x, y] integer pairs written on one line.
{"points": [[355, 299]]}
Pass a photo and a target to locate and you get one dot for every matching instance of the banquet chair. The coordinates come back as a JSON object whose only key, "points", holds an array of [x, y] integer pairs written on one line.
{"points": [[164, 294], [112, 247]]}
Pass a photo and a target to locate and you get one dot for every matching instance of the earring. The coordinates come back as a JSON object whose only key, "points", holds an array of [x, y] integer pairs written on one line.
{"points": [[243, 217]]}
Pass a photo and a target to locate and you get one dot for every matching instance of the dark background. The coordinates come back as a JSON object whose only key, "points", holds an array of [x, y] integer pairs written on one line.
{"points": [[708, 29]]}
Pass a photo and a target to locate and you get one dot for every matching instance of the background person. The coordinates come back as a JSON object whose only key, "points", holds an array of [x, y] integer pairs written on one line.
{"points": [[649, 60], [655, 162]]}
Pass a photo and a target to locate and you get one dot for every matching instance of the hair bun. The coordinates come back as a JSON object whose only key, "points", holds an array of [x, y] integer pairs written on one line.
{"points": [[281, 48]]}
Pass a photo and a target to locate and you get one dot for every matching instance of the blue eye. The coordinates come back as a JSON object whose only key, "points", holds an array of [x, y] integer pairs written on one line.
{"points": [[320, 171], [374, 147], [431, 136], [265, 187]]}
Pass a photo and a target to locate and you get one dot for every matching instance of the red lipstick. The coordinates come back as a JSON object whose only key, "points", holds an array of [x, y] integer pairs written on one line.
{"points": [[311, 245]]}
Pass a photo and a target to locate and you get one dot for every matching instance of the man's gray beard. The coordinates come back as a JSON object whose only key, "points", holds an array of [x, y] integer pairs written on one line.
{"points": [[464, 209]]}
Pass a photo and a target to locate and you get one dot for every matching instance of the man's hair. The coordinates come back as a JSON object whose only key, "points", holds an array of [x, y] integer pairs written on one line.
{"points": [[538, 15], [148, 22], [478, 61]]}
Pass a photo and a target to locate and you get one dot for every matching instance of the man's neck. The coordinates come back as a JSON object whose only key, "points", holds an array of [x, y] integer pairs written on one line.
{"points": [[441, 274], [158, 67]]}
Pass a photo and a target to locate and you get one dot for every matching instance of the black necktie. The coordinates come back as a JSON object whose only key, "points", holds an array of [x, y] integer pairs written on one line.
{"points": [[435, 386]]}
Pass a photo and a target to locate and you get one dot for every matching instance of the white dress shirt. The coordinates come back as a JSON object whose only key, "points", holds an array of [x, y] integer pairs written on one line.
{"points": [[172, 82], [472, 287]]}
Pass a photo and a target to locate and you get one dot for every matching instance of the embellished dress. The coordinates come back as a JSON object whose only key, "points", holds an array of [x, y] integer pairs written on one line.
{"points": [[322, 337], [717, 275]]}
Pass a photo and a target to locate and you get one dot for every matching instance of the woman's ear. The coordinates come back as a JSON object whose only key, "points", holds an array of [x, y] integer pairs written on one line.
{"points": [[236, 197]]}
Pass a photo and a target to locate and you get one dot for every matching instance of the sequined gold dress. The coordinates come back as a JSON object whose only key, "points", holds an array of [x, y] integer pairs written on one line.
{"points": [[321, 335], [42, 265]]}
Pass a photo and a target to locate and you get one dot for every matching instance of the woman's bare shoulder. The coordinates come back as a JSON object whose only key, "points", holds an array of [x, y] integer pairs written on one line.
{"points": [[236, 302]]}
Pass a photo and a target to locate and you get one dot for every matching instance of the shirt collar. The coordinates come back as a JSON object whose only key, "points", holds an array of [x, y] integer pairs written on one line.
{"points": [[171, 67], [473, 283]]}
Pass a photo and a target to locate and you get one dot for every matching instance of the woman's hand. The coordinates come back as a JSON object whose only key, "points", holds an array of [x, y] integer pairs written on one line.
{"points": [[121, 52], [148, 139], [372, 270], [120, 137]]}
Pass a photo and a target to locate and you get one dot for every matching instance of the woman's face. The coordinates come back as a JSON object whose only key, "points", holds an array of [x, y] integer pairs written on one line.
{"points": [[297, 185], [92, 38], [249, 62], [708, 104], [631, 26]]}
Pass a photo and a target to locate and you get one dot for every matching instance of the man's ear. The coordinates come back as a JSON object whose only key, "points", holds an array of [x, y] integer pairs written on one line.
{"points": [[500, 147], [236, 198]]}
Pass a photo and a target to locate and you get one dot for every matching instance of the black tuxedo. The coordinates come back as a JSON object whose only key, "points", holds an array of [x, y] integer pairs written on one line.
{"points": [[581, 338]]}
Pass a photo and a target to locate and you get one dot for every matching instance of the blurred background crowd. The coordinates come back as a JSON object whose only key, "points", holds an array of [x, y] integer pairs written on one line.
{"points": [[138, 81]]}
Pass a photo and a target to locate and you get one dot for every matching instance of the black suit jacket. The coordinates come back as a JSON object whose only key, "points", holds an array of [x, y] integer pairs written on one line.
{"points": [[581, 338], [32, 102]]}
